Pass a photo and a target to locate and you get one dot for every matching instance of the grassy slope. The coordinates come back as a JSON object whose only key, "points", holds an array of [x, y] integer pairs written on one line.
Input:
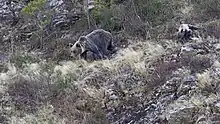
{"points": [[81, 92], [138, 78]]}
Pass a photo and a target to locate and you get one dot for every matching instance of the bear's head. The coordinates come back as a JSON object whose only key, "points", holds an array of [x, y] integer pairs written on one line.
{"points": [[77, 48]]}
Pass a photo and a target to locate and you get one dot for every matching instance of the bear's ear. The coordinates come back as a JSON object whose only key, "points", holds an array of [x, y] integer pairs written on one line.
{"points": [[177, 29], [82, 38], [77, 45], [70, 45]]}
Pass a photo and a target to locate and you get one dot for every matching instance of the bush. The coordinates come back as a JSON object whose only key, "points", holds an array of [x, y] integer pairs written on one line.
{"points": [[132, 16], [64, 81], [196, 63], [212, 28], [156, 12], [103, 15], [27, 95], [206, 9], [20, 61], [33, 6]]}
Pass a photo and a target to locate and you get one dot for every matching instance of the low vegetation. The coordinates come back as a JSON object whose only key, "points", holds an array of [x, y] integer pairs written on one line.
{"points": [[149, 80]]}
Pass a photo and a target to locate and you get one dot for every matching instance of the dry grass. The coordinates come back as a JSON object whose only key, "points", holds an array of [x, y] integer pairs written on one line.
{"points": [[80, 92], [45, 115], [204, 79], [74, 89], [211, 28], [197, 63], [33, 90]]}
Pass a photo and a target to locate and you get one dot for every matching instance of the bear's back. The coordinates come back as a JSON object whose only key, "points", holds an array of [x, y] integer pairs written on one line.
{"points": [[99, 37]]}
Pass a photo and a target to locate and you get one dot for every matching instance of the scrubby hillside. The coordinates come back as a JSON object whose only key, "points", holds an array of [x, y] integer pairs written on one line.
{"points": [[152, 79]]}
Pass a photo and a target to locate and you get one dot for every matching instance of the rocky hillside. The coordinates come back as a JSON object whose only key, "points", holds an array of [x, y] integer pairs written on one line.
{"points": [[152, 79]]}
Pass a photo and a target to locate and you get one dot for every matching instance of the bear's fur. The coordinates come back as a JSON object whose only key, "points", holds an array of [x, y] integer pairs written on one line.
{"points": [[98, 43], [185, 31]]}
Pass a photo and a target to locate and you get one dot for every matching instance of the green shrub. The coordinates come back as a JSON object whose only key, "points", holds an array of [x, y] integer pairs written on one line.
{"points": [[33, 6], [40, 21], [156, 12], [103, 15]]}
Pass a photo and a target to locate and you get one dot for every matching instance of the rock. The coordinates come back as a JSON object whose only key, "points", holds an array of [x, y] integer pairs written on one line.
{"points": [[180, 112], [217, 71], [217, 47], [3, 58], [65, 14], [9, 11], [186, 49], [189, 79]]}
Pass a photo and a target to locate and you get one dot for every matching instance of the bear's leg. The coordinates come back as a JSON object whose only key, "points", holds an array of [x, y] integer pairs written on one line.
{"points": [[95, 56], [98, 53], [110, 46], [94, 48], [185, 35], [90, 56], [189, 35], [83, 55]]}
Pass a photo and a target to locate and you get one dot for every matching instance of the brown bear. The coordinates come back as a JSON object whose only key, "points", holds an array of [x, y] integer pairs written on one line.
{"points": [[98, 43], [186, 31]]}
